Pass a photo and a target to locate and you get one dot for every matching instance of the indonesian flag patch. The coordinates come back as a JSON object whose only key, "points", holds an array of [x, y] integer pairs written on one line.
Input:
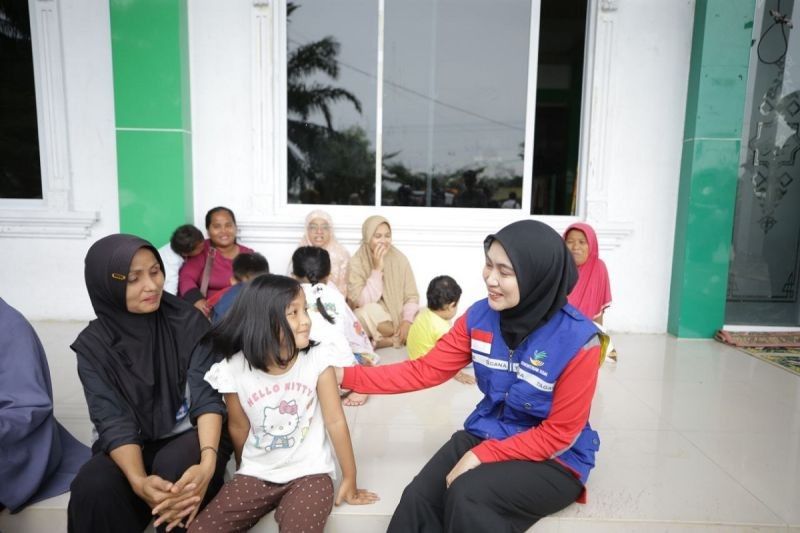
{"points": [[481, 341]]}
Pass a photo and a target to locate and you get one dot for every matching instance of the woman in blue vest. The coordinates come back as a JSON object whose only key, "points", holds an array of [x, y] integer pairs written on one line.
{"points": [[527, 448]]}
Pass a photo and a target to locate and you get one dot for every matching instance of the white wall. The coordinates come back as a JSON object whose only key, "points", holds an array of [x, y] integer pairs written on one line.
{"points": [[641, 60], [650, 73], [41, 273], [641, 63]]}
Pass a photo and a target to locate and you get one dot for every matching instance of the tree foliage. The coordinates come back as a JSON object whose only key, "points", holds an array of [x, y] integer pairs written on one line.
{"points": [[324, 165]]}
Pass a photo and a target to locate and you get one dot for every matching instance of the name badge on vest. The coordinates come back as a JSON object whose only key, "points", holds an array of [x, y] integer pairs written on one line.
{"points": [[481, 341]]}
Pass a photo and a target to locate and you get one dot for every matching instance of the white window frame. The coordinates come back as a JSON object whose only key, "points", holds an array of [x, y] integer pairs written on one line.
{"points": [[274, 219], [53, 215]]}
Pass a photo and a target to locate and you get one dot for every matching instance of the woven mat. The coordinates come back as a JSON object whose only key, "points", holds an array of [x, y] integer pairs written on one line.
{"points": [[756, 339], [785, 358]]}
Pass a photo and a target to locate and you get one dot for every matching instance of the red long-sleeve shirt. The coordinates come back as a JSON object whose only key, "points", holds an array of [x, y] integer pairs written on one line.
{"points": [[572, 395]]}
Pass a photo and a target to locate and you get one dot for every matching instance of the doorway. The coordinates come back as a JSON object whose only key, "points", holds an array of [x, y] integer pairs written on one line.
{"points": [[765, 255]]}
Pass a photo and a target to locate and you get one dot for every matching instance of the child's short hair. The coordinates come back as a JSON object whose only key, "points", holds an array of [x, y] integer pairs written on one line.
{"points": [[442, 291], [256, 323], [184, 239], [246, 266], [314, 264]]}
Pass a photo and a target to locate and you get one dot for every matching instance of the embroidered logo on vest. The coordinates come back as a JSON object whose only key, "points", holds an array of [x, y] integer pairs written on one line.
{"points": [[538, 358]]}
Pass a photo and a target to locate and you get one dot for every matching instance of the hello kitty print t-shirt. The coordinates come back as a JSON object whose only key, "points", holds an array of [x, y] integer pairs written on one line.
{"points": [[287, 438]]}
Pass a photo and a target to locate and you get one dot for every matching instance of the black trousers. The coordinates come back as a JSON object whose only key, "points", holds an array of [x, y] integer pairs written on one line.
{"points": [[102, 500], [492, 498]]}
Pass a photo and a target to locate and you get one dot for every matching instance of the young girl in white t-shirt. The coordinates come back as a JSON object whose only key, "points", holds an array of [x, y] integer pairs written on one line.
{"points": [[332, 320], [282, 397]]}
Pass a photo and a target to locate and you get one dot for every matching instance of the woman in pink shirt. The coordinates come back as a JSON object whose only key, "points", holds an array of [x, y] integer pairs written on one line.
{"points": [[211, 271]]}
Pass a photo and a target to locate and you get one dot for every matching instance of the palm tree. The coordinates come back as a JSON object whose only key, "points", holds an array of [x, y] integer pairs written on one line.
{"points": [[306, 98]]}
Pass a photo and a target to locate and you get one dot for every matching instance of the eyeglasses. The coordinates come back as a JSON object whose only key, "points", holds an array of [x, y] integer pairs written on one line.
{"points": [[314, 227]]}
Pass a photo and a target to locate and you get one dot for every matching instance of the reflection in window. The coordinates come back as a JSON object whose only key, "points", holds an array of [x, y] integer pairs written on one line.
{"points": [[556, 140], [20, 173], [331, 101], [453, 107], [765, 255], [455, 85]]}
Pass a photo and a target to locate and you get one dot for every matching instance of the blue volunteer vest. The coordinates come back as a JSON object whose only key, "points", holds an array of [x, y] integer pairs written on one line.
{"points": [[518, 384]]}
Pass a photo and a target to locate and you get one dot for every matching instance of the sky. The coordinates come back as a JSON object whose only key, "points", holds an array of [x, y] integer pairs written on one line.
{"points": [[455, 77]]}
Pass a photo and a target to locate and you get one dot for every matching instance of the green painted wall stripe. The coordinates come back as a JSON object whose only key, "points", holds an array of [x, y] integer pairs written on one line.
{"points": [[152, 192], [709, 165], [149, 41]]}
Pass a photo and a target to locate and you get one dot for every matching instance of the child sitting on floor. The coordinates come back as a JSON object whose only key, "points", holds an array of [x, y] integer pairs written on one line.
{"points": [[434, 321], [332, 320], [245, 267], [283, 415]]}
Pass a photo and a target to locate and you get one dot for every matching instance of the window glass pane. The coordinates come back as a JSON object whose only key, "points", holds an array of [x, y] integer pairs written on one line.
{"points": [[765, 256], [556, 140], [20, 173], [454, 100], [331, 93]]}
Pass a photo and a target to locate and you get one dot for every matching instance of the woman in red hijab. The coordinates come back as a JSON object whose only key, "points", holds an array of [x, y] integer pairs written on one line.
{"points": [[592, 293]]}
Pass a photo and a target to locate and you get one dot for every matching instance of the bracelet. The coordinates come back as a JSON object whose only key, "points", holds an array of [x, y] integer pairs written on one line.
{"points": [[204, 448]]}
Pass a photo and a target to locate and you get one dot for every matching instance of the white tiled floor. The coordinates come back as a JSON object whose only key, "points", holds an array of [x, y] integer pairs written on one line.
{"points": [[696, 436]]}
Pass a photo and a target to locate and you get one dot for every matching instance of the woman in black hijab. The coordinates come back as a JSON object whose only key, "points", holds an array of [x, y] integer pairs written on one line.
{"points": [[160, 449], [527, 448]]}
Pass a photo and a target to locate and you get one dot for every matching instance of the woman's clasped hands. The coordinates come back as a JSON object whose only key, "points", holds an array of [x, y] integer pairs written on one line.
{"points": [[174, 502]]}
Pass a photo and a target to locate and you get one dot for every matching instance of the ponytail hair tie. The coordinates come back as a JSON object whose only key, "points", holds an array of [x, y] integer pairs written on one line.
{"points": [[317, 290]]}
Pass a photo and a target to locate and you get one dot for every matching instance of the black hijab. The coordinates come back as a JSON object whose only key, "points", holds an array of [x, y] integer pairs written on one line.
{"points": [[142, 357], [545, 271]]}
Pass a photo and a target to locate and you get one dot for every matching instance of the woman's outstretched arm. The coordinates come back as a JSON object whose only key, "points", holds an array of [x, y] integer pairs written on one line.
{"points": [[450, 354]]}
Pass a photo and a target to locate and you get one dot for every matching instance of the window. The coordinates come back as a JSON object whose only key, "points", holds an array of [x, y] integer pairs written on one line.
{"points": [[331, 101], [35, 172], [420, 103], [20, 173]]}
